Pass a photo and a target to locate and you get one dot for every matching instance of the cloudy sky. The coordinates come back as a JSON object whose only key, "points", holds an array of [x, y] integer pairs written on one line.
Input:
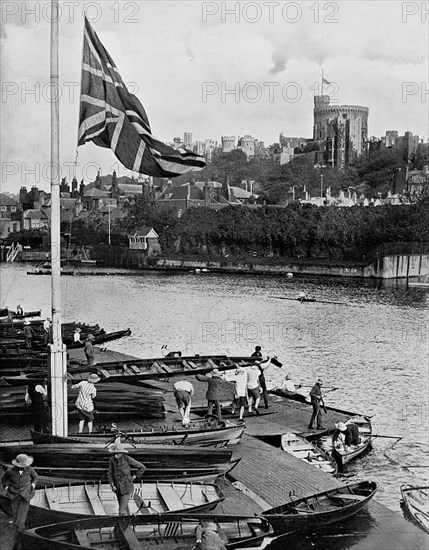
{"points": [[213, 69]]}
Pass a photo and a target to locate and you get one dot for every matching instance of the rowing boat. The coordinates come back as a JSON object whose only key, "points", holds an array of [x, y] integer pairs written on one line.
{"points": [[320, 509], [89, 462], [23, 315], [343, 454], [54, 504], [146, 532], [299, 447], [415, 501], [197, 433]]}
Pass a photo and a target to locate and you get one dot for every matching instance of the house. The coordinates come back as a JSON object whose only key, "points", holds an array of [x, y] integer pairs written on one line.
{"points": [[94, 199], [145, 239], [8, 226], [8, 206], [35, 219]]}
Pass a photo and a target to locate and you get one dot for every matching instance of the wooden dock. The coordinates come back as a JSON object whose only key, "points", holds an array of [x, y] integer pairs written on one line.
{"points": [[266, 476]]}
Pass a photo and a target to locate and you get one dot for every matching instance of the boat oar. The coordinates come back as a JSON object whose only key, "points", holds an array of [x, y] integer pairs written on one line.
{"points": [[387, 436]]}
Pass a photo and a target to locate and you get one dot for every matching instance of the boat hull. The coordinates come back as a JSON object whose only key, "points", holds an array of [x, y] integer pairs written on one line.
{"points": [[174, 531], [56, 503], [415, 501], [321, 509]]}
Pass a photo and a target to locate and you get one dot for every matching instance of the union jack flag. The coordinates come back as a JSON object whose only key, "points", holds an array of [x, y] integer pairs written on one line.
{"points": [[112, 117]]}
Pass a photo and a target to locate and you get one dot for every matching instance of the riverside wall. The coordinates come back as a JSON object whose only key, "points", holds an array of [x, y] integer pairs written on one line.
{"points": [[385, 267]]}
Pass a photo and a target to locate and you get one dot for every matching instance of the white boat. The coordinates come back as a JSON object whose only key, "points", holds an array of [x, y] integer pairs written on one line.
{"points": [[299, 447]]}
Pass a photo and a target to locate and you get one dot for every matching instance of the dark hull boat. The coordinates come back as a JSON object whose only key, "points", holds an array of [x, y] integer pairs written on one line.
{"points": [[24, 315], [89, 462], [55, 504], [300, 448], [288, 395], [113, 402], [415, 501], [145, 532], [343, 454], [321, 509], [196, 434], [108, 337]]}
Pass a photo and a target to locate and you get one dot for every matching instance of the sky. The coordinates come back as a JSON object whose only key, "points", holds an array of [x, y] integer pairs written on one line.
{"points": [[210, 68]]}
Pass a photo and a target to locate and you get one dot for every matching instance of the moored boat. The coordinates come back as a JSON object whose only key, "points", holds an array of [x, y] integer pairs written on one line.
{"points": [[343, 454], [320, 509], [89, 462], [142, 532], [54, 504], [415, 501], [300, 448], [197, 433]]}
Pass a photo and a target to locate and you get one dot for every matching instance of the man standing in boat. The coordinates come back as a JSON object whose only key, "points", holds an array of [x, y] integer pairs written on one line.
{"points": [[19, 482], [120, 478], [317, 402]]}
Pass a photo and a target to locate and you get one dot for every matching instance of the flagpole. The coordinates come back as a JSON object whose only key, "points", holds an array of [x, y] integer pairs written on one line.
{"points": [[57, 356], [321, 89]]}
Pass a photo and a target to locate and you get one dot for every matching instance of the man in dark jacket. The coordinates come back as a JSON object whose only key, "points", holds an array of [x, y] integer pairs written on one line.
{"points": [[214, 381], [120, 478], [262, 381], [19, 482], [316, 401]]}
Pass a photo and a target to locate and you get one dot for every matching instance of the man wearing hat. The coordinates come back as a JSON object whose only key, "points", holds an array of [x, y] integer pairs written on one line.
{"points": [[89, 350], [214, 381], [28, 334], [316, 400], [346, 434], [84, 404], [19, 482], [120, 478]]}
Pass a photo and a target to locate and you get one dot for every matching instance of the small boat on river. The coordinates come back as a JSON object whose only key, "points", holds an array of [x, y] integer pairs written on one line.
{"points": [[54, 504], [415, 501], [146, 532], [17, 316], [299, 447], [320, 509], [343, 454]]}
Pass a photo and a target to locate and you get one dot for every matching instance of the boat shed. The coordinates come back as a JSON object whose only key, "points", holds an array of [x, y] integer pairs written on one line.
{"points": [[147, 239]]}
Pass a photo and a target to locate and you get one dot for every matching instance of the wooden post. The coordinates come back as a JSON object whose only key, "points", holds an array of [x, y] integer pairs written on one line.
{"points": [[58, 355]]}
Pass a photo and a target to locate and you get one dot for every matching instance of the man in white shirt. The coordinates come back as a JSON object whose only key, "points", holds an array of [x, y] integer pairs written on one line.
{"points": [[239, 379]]}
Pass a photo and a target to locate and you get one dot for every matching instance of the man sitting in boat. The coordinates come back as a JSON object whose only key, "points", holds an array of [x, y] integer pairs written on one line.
{"points": [[288, 388], [208, 537], [302, 296], [348, 435]]}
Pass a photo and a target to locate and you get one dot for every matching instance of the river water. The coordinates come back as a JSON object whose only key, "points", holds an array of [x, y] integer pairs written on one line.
{"points": [[373, 345]]}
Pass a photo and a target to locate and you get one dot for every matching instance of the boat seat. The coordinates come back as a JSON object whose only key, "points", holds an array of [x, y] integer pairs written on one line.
{"points": [[186, 365], [127, 369], [165, 367], [94, 500], [104, 373], [135, 369], [142, 506], [82, 538], [193, 365], [53, 500], [349, 497], [170, 498]]}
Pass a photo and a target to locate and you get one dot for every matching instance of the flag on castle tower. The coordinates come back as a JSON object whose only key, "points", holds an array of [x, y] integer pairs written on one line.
{"points": [[112, 117]]}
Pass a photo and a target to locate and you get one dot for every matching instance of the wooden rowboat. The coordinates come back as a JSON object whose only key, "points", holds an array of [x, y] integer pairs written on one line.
{"points": [[89, 462], [55, 504], [196, 434], [342, 454], [145, 532], [300, 448], [322, 508], [24, 315], [415, 501]]}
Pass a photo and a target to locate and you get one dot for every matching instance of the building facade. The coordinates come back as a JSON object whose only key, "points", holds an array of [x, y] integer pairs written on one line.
{"points": [[228, 143], [343, 129]]}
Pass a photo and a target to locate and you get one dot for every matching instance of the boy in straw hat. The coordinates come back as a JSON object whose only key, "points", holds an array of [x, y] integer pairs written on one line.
{"points": [[120, 478], [84, 403], [19, 482]]}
